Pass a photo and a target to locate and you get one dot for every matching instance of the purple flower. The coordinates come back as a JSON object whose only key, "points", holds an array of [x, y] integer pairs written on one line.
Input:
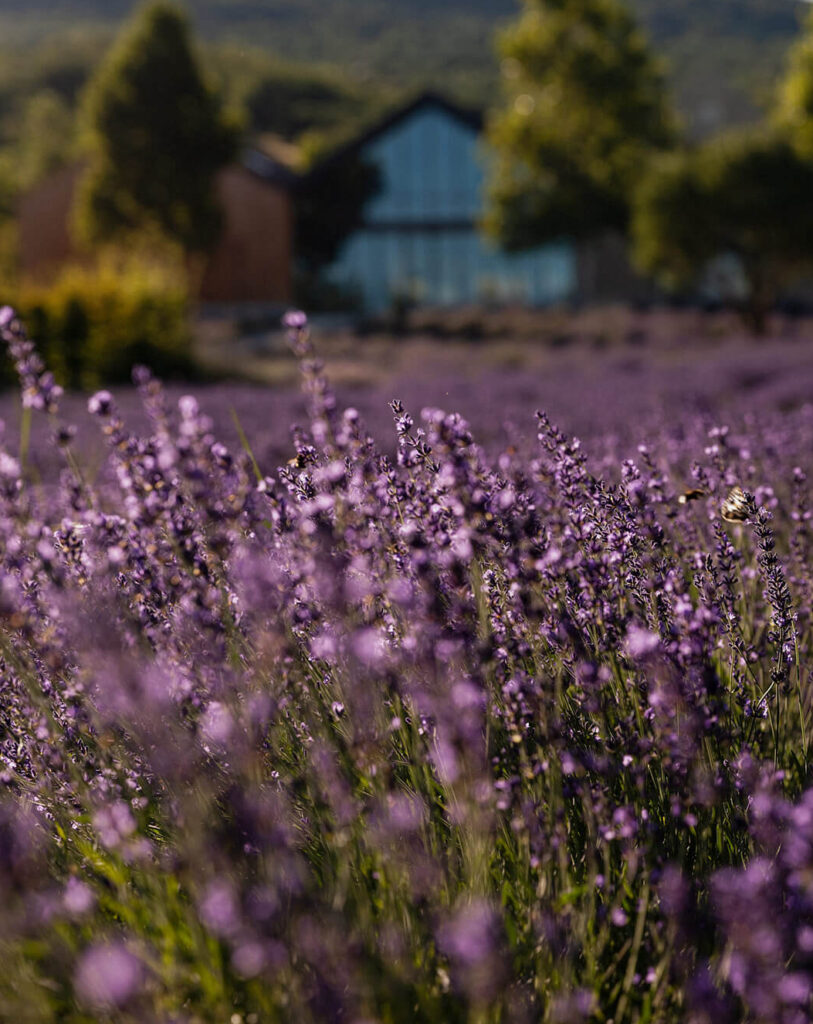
{"points": [[619, 917], [108, 976], [295, 320], [219, 909], [641, 642], [379, 718], [78, 898], [100, 404], [471, 940]]}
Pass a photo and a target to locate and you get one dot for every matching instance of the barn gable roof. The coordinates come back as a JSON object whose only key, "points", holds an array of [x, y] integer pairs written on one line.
{"points": [[472, 119]]}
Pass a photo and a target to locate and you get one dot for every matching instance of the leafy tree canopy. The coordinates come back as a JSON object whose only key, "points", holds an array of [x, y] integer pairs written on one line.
{"points": [[723, 55], [157, 136], [745, 195], [324, 222], [46, 140], [794, 112], [585, 106]]}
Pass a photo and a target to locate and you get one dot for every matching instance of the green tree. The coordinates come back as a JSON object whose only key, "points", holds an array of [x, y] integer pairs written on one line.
{"points": [[290, 102], [745, 195], [586, 106], [794, 109], [323, 225], [158, 138], [46, 139]]}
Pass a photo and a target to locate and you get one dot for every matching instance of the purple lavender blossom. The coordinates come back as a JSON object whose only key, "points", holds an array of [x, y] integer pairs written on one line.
{"points": [[398, 723], [108, 975]]}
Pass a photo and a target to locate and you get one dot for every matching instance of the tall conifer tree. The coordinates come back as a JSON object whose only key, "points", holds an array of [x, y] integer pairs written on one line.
{"points": [[158, 138]]}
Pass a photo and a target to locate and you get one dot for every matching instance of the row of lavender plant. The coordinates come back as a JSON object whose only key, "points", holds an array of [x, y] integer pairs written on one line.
{"points": [[436, 738]]}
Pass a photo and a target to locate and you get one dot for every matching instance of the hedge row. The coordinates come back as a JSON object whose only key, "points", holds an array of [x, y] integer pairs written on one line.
{"points": [[92, 325]]}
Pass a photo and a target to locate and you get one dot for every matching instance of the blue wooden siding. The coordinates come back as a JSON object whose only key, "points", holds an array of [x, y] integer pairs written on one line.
{"points": [[420, 238], [430, 170]]}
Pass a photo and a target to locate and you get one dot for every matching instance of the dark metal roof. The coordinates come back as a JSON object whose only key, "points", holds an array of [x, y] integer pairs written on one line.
{"points": [[472, 118], [267, 168]]}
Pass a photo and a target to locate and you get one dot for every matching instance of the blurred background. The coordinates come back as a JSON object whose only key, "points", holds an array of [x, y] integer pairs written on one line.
{"points": [[506, 179]]}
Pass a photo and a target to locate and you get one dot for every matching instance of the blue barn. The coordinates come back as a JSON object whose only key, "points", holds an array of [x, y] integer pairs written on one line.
{"points": [[420, 240]]}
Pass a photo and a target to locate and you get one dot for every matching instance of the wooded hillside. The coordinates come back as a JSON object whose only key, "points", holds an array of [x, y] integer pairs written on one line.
{"points": [[723, 55]]}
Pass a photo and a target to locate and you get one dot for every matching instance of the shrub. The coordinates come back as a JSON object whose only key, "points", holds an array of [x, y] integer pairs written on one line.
{"points": [[744, 195], [94, 324]]}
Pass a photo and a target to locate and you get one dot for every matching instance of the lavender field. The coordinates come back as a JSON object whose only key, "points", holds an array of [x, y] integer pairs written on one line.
{"points": [[423, 720]]}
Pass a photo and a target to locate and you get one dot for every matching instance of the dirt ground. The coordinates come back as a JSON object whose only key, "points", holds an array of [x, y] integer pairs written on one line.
{"points": [[475, 341]]}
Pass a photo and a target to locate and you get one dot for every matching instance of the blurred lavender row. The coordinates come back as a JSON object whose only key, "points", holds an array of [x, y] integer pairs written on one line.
{"points": [[329, 724]]}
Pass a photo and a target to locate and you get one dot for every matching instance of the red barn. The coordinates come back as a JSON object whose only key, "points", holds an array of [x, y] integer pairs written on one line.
{"points": [[251, 263]]}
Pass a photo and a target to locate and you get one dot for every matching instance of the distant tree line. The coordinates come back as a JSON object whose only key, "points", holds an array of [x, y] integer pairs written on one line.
{"points": [[156, 118], [722, 54], [587, 142]]}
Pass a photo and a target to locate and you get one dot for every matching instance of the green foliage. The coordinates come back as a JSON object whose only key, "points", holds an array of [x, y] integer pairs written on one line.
{"points": [[290, 101], [323, 221], [158, 138], [794, 112], [8, 185], [46, 139], [38, 93], [747, 195], [722, 55], [61, 66], [668, 241], [585, 107], [93, 325], [44, 142], [37, 133]]}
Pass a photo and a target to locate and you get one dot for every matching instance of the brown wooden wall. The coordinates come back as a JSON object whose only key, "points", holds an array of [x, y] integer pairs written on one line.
{"points": [[252, 262], [43, 219]]}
